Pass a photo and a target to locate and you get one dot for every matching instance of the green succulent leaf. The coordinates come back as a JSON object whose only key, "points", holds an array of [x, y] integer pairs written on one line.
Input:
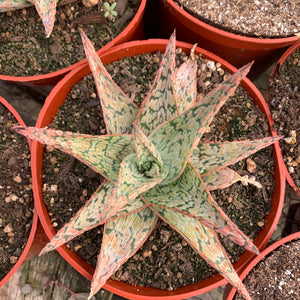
{"points": [[103, 153], [188, 195], [9, 5], [204, 241], [207, 157], [149, 160], [176, 138], [132, 182], [160, 103], [185, 85], [122, 238], [118, 110], [92, 214], [106, 5]]}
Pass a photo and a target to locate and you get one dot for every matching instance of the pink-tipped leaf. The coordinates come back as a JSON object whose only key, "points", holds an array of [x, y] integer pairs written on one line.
{"points": [[160, 103], [118, 110], [103, 153], [185, 85], [205, 242], [188, 195], [208, 157], [176, 138], [9, 5], [92, 214], [122, 238]]}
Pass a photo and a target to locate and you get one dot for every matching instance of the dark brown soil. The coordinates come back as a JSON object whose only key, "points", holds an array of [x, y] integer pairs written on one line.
{"points": [[259, 18], [177, 264], [277, 276], [16, 200], [284, 101], [25, 50]]}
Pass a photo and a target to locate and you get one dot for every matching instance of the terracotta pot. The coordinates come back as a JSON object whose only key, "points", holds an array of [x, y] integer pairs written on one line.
{"points": [[134, 31], [37, 238], [281, 61], [236, 49], [229, 291], [50, 108]]}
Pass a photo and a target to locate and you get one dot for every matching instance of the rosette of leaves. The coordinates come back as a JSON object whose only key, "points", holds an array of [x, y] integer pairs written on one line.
{"points": [[156, 166], [45, 8]]}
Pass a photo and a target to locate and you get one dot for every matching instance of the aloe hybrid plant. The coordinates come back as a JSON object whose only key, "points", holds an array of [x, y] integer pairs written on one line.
{"points": [[156, 166], [45, 8]]}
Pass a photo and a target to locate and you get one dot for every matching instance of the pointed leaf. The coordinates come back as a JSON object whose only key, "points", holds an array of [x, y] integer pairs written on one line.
{"points": [[149, 160], [102, 153], [122, 238], [9, 5], [118, 110], [225, 177], [46, 10], [176, 138], [205, 241], [160, 104], [207, 157], [92, 214], [185, 85], [189, 196]]}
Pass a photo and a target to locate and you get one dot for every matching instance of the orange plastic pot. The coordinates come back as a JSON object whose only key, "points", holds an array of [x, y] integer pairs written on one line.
{"points": [[37, 238], [57, 97], [236, 49], [134, 31], [281, 61], [230, 291]]}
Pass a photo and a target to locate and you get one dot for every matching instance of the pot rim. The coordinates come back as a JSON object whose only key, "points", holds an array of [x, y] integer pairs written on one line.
{"points": [[231, 291], [236, 40], [27, 252], [53, 77], [280, 62], [60, 92]]}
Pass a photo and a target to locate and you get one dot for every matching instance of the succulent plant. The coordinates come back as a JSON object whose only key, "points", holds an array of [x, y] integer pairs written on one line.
{"points": [[156, 166], [109, 11], [45, 8]]}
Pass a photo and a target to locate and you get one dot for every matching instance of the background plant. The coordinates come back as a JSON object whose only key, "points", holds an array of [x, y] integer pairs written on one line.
{"points": [[155, 165], [45, 8]]}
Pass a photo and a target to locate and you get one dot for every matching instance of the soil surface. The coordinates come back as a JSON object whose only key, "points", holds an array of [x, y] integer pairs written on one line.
{"points": [[259, 18], [16, 200], [284, 100], [277, 276], [165, 260], [25, 50]]}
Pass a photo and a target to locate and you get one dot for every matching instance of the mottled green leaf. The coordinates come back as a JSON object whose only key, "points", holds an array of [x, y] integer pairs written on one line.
{"points": [[131, 182], [207, 157], [185, 85], [122, 238], [189, 196], [102, 153], [176, 138], [205, 241], [225, 177], [92, 214], [9, 5], [149, 160], [118, 110], [160, 103], [46, 10]]}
